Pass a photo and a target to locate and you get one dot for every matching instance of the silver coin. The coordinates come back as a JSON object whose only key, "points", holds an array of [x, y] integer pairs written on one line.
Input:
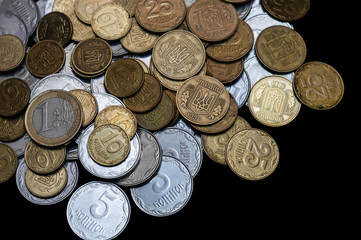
{"points": [[72, 152], [264, 20], [167, 192], [243, 9], [117, 171], [97, 85], [182, 124], [19, 144], [98, 210], [189, 2], [240, 89], [149, 162], [117, 48], [12, 24], [73, 174], [182, 145], [21, 72], [105, 100], [145, 57]]}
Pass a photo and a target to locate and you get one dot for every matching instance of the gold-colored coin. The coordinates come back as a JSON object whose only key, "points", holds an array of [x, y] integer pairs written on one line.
{"points": [[272, 101], [85, 9], [252, 154], [176, 113], [318, 85], [214, 145], [120, 116], [8, 162], [46, 186], [44, 160], [287, 10], [130, 5], [12, 128], [280, 49], [12, 52], [225, 72], [88, 103], [14, 96], [203, 100], [111, 21], [108, 145]]}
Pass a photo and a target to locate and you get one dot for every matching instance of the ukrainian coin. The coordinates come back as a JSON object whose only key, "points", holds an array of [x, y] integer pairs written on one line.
{"points": [[117, 49], [243, 9], [85, 9], [212, 20], [53, 118], [149, 162], [168, 192], [203, 100], [138, 60], [252, 154], [240, 88], [111, 21], [237, 1], [88, 104], [12, 52], [161, 15], [262, 20], [44, 160], [98, 210], [105, 100], [46, 186], [318, 85], [72, 151], [8, 162], [14, 96], [272, 101], [142, 57], [97, 85], [22, 73], [178, 54], [45, 58], [224, 72], [12, 128], [13, 26], [19, 144], [176, 113], [287, 10], [171, 84], [130, 5], [285, 59]]}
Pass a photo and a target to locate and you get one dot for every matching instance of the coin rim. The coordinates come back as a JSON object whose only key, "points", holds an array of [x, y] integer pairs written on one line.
{"points": [[23, 52], [12, 171]]}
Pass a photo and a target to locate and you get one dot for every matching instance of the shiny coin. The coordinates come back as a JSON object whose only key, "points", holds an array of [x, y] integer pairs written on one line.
{"points": [[240, 88], [13, 26], [8, 162], [22, 73], [318, 85], [12, 52], [14, 96], [287, 10], [130, 5], [105, 100], [167, 192], [85, 9], [12, 128], [98, 210], [19, 144], [224, 72], [88, 103], [252, 154]]}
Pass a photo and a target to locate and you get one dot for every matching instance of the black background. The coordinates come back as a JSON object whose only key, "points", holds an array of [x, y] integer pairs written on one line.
{"points": [[311, 192]]}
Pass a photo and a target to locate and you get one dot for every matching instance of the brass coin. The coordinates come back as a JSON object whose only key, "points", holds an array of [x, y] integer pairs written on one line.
{"points": [[45, 58], [130, 5], [46, 186], [88, 103], [236, 1], [108, 145], [252, 154], [147, 97], [85, 9], [160, 15], [55, 26], [111, 21], [178, 54], [234, 48], [287, 10], [318, 85], [53, 118], [176, 113], [120, 116], [12, 128], [272, 101], [212, 20], [8, 162], [12, 52], [203, 100], [14, 96], [44, 160], [224, 72], [280, 49], [124, 77], [214, 145]]}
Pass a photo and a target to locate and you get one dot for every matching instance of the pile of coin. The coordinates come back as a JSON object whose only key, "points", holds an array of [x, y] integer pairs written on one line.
{"points": [[149, 86]]}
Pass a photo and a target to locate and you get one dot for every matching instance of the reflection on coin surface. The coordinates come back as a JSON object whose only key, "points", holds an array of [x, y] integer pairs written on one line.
{"points": [[287, 10], [12, 52], [8, 162], [88, 103], [14, 96], [85, 9]]}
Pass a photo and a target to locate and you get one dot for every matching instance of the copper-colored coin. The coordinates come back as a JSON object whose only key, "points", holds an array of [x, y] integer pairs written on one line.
{"points": [[234, 48], [318, 85], [236, 1], [12, 52], [178, 54], [130, 5], [124, 77], [45, 58], [120, 116], [8, 162], [147, 97], [203, 100], [55, 26], [287, 10], [88, 103], [160, 15], [176, 113], [252, 154], [85, 9], [14, 96], [280, 48], [225, 72], [12, 128], [212, 20], [83, 75], [44, 160]]}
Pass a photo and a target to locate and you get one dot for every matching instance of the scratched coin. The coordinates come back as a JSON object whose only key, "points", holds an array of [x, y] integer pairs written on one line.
{"points": [[287, 10]]}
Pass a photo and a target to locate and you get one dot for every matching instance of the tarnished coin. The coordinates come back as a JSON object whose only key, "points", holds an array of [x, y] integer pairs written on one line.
{"points": [[13, 26], [160, 15], [8, 162], [14, 96], [85, 9], [318, 85], [203, 100], [45, 58], [12, 128], [88, 103], [252, 154], [287, 10], [225, 72], [12, 52], [44, 160], [130, 5], [19, 144], [178, 54], [280, 49], [272, 101]]}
